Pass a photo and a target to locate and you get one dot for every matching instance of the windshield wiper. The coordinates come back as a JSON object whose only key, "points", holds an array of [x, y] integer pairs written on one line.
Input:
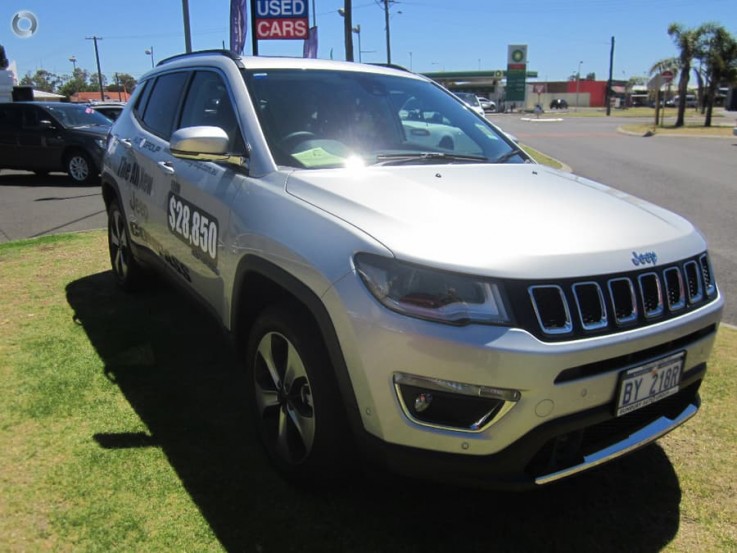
{"points": [[509, 155], [432, 157]]}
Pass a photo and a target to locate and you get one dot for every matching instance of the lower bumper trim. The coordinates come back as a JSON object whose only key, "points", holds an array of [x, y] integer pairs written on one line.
{"points": [[638, 439]]}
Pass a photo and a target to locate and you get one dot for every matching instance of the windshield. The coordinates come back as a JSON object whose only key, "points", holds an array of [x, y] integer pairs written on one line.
{"points": [[78, 116], [322, 118]]}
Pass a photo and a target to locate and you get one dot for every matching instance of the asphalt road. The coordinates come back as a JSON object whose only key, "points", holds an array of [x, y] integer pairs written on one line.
{"points": [[695, 177], [32, 206]]}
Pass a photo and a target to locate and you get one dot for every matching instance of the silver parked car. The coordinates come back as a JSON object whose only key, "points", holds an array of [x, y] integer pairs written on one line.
{"points": [[401, 281]]}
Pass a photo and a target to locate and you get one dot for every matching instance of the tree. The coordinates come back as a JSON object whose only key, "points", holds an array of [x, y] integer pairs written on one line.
{"points": [[42, 80], [123, 83], [667, 64], [95, 81], [718, 53], [687, 42], [77, 82]]}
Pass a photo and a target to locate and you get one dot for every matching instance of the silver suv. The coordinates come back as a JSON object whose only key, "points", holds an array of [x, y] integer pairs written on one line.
{"points": [[401, 280]]}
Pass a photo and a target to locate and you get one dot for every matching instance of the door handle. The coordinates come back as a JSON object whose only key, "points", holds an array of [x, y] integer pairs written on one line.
{"points": [[167, 167]]}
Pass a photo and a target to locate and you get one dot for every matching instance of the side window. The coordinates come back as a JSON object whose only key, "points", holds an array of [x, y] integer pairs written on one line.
{"points": [[9, 118], [142, 98], [163, 103], [31, 117], [208, 104]]}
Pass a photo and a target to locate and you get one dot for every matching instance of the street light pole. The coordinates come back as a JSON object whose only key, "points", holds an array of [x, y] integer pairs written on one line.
{"points": [[150, 52], [357, 30]]}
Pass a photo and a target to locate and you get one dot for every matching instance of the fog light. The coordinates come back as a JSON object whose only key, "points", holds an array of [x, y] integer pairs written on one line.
{"points": [[454, 405], [423, 401]]}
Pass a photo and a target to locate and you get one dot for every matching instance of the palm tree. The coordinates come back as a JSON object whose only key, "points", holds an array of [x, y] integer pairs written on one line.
{"points": [[687, 41], [717, 51]]}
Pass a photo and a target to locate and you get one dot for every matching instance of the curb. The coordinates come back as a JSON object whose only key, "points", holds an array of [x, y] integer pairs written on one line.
{"points": [[650, 133]]}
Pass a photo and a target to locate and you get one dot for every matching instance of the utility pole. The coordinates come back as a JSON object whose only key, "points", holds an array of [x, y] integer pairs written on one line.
{"points": [[609, 82], [348, 28], [388, 39], [99, 72], [187, 33]]}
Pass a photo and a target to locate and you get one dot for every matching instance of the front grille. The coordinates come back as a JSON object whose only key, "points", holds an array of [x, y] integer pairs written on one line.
{"points": [[571, 308]]}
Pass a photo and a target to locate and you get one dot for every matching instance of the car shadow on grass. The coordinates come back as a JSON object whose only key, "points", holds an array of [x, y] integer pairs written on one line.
{"points": [[178, 372]]}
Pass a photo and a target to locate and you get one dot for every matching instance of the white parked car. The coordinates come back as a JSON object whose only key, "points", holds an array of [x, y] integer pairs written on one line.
{"points": [[486, 104], [472, 101]]}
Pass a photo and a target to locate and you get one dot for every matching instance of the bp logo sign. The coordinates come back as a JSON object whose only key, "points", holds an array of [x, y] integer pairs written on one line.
{"points": [[517, 54]]}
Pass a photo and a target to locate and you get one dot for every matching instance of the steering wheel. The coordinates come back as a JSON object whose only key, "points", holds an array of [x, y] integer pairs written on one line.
{"points": [[292, 139]]}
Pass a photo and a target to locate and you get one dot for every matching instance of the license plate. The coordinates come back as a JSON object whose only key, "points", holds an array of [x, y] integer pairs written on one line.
{"points": [[649, 383]]}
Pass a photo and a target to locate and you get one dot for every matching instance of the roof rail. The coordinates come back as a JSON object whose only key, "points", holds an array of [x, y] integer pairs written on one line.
{"points": [[391, 66], [226, 53]]}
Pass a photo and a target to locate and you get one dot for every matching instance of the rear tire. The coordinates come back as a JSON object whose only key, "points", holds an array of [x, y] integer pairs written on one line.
{"points": [[294, 397], [126, 269]]}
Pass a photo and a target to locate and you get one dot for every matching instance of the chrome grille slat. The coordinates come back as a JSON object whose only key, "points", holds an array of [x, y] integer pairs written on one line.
{"points": [[709, 284], [551, 309], [624, 300], [651, 294], [674, 290], [590, 303], [693, 283], [610, 304]]}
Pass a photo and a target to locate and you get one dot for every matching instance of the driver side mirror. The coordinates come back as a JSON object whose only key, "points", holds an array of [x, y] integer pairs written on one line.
{"points": [[203, 144]]}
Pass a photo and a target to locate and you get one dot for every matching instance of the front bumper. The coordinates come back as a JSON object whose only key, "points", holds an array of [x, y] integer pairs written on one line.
{"points": [[550, 452], [563, 421]]}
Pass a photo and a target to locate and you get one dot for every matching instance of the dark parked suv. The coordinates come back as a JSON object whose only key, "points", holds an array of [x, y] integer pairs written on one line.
{"points": [[45, 137], [558, 103]]}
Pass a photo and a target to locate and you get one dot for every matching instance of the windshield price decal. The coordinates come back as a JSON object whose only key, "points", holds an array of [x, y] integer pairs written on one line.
{"points": [[194, 227]]}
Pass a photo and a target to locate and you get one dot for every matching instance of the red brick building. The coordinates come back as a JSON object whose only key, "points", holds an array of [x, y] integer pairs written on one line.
{"points": [[88, 97]]}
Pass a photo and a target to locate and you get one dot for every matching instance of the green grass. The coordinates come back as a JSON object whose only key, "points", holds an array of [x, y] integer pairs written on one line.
{"points": [[123, 428], [542, 158]]}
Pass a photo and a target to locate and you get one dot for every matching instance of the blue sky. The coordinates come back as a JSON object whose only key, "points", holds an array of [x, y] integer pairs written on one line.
{"points": [[428, 35]]}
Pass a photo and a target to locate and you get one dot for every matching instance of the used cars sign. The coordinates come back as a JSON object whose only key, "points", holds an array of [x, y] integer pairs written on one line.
{"points": [[281, 19]]}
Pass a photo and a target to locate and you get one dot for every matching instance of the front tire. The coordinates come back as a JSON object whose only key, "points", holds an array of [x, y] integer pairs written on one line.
{"points": [[126, 270], [80, 167], [294, 396]]}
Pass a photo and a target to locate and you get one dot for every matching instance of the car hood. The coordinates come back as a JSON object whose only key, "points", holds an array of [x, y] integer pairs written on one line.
{"points": [[514, 220], [95, 131]]}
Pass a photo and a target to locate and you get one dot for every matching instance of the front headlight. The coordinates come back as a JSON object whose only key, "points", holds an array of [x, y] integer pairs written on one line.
{"points": [[431, 294]]}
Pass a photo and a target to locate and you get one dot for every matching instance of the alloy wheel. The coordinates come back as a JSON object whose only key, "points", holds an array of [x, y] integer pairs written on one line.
{"points": [[284, 399]]}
